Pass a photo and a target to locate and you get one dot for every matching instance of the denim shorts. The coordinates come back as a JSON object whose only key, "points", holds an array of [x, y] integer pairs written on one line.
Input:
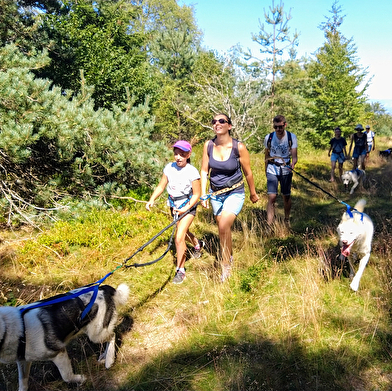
{"points": [[357, 152], [274, 180], [337, 157], [227, 202]]}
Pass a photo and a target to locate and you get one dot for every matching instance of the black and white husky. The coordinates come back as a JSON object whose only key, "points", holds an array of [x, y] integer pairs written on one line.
{"points": [[355, 239], [355, 176], [40, 331]]}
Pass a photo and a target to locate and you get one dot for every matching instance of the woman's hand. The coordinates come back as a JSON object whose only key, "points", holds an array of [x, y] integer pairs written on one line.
{"points": [[254, 198]]}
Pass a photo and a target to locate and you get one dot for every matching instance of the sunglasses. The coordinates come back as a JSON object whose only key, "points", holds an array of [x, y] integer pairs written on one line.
{"points": [[220, 120], [280, 127]]}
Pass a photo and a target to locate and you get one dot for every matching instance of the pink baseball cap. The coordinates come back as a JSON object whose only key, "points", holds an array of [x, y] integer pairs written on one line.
{"points": [[183, 145]]}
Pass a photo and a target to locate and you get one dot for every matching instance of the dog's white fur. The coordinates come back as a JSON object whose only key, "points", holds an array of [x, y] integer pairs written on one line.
{"points": [[48, 329], [355, 239], [356, 177]]}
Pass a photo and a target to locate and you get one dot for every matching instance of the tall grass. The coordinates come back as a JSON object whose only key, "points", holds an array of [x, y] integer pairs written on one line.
{"points": [[286, 320]]}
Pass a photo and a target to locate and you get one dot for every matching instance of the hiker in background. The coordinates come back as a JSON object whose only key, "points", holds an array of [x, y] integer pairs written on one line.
{"points": [[339, 152], [225, 158], [359, 139], [280, 146], [370, 141], [182, 181]]}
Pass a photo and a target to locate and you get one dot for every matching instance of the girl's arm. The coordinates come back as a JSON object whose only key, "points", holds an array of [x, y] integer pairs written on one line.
{"points": [[330, 150], [194, 199], [245, 164], [157, 192]]}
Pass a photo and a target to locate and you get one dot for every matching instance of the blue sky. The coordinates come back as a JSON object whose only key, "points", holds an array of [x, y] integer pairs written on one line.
{"points": [[226, 23]]}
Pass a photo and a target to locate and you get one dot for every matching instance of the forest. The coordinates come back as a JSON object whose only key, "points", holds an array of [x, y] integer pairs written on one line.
{"points": [[93, 92]]}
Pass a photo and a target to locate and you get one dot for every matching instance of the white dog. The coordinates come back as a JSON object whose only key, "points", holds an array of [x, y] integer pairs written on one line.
{"points": [[355, 239], [40, 331], [356, 176]]}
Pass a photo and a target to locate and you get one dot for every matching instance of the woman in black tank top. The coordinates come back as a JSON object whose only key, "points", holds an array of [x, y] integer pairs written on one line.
{"points": [[225, 159]]}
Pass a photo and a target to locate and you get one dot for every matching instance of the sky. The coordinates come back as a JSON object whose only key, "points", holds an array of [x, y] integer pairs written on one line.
{"points": [[225, 23]]}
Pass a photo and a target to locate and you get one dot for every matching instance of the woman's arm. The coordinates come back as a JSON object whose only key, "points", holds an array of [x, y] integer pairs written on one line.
{"points": [[245, 164], [351, 144], [204, 173], [157, 192]]}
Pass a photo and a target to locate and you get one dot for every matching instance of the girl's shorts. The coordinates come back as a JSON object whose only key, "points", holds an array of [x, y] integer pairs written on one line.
{"points": [[337, 157], [227, 202]]}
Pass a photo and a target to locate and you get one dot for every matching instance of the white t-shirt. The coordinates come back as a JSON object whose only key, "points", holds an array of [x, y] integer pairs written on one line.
{"points": [[370, 137], [280, 151], [180, 180]]}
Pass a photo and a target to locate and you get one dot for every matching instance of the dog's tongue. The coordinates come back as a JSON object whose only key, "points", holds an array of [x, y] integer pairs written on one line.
{"points": [[346, 249]]}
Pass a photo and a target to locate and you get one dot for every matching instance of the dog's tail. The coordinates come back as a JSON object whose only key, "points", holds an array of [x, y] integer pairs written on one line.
{"points": [[360, 205], [122, 294]]}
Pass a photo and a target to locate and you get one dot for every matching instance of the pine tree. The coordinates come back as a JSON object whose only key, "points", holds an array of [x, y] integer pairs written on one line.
{"points": [[54, 142], [337, 90]]}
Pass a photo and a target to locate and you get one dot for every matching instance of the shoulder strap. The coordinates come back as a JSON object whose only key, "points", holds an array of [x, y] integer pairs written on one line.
{"points": [[289, 138], [235, 148], [209, 147], [270, 140], [236, 151]]}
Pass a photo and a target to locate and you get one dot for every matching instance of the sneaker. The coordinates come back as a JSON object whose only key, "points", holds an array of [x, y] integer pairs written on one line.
{"points": [[197, 250], [179, 277]]}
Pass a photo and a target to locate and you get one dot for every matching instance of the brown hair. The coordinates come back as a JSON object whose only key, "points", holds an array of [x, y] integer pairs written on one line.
{"points": [[279, 118]]}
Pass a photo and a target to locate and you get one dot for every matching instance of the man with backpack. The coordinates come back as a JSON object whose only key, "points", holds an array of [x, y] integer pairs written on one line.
{"points": [[280, 157]]}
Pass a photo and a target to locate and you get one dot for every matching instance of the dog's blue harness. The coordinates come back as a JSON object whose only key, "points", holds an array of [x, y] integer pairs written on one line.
{"points": [[94, 287]]}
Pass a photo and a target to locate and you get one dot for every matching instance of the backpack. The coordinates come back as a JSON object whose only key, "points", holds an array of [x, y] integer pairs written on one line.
{"points": [[272, 134]]}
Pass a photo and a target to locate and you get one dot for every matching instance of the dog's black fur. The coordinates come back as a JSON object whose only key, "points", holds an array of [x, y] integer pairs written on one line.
{"points": [[387, 153]]}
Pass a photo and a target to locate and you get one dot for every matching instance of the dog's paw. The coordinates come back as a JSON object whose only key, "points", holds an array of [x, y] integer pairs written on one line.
{"points": [[354, 285], [109, 355]]}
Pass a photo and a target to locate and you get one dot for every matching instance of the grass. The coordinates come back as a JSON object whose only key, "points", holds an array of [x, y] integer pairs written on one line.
{"points": [[286, 320]]}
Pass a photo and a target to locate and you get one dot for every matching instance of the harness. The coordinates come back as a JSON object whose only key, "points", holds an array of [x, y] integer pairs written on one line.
{"points": [[185, 197], [94, 287]]}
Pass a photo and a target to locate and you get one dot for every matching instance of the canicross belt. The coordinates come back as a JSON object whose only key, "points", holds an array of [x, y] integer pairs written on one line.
{"points": [[226, 189], [277, 163]]}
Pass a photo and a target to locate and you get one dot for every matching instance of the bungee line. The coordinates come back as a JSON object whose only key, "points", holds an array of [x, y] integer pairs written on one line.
{"points": [[348, 207], [94, 287]]}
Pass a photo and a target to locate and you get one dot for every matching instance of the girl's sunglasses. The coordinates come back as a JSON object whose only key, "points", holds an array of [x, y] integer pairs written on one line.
{"points": [[220, 120]]}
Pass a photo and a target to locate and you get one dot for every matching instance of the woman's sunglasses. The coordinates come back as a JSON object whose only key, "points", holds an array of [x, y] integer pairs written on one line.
{"points": [[220, 120]]}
